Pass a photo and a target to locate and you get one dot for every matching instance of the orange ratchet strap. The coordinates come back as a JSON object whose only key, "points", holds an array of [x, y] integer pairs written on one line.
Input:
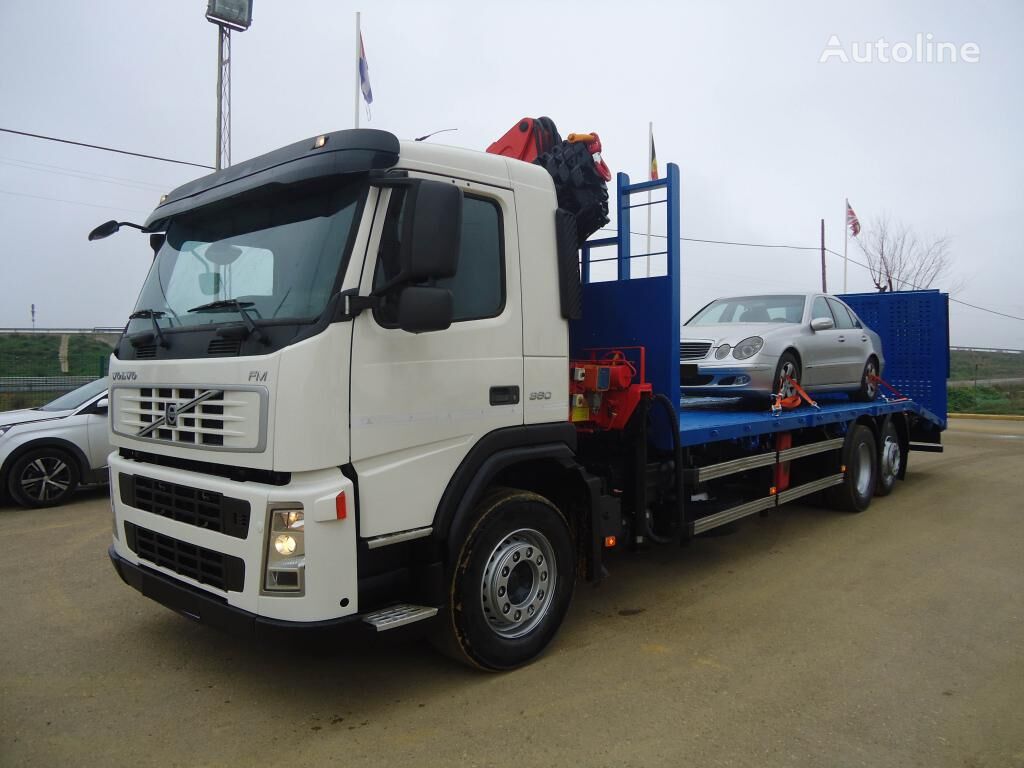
{"points": [[779, 402], [899, 395]]}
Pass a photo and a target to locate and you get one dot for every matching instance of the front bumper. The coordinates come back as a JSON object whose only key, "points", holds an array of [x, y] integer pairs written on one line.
{"points": [[207, 608], [728, 379]]}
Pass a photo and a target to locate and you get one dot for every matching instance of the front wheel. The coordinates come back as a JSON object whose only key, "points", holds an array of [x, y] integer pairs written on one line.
{"points": [[44, 477], [512, 584], [788, 366]]}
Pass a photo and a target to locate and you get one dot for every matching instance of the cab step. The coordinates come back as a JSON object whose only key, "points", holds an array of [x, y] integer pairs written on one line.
{"points": [[395, 616]]}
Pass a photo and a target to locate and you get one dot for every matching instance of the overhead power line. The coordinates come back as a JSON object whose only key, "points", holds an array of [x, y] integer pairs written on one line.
{"points": [[105, 149], [814, 248], [72, 202]]}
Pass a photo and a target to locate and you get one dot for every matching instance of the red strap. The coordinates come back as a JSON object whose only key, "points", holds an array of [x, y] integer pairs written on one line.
{"points": [[890, 387]]}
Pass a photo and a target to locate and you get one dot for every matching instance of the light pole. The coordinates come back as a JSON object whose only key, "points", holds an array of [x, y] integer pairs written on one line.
{"points": [[227, 15]]}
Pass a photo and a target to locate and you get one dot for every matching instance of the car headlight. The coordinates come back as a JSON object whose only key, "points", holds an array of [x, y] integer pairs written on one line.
{"points": [[286, 551], [748, 347], [3, 429], [723, 352]]}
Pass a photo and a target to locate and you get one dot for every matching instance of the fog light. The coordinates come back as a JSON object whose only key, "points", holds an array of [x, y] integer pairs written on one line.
{"points": [[742, 380], [285, 545]]}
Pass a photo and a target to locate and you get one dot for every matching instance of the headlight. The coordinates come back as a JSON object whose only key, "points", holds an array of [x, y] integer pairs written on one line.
{"points": [[4, 429], [748, 347], [723, 352], [286, 550]]}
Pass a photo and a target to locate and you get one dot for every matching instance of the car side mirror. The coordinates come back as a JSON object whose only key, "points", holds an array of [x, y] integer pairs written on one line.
{"points": [[431, 231], [422, 309], [101, 405], [822, 324]]}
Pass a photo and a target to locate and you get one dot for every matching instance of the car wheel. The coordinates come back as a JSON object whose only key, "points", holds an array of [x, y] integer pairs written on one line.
{"points": [[512, 583], [868, 386], [44, 477], [891, 459], [788, 366], [858, 486]]}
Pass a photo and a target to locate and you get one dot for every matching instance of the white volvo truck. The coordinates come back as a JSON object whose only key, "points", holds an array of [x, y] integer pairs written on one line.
{"points": [[345, 397]]}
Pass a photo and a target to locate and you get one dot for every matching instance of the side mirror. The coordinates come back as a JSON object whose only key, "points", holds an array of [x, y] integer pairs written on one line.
{"points": [[431, 232], [102, 405], [106, 229], [822, 324], [422, 309]]}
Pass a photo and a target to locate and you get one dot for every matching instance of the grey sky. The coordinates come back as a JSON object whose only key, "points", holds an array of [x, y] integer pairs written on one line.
{"points": [[768, 139]]}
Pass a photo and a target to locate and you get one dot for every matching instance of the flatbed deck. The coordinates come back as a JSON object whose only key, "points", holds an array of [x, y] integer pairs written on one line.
{"points": [[708, 420]]}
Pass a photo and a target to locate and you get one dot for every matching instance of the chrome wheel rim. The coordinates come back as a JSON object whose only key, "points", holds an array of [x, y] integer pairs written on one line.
{"points": [[870, 386], [891, 458], [864, 460], [518, 583], [785, 387], [45, 479]]}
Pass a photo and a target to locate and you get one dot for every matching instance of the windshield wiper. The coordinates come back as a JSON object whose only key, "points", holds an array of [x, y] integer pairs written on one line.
{"points": [[151, 314], [238, 306]]}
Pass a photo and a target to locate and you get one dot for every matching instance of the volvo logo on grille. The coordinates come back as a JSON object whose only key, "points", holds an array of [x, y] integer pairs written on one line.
{"points": [[173, 410]]}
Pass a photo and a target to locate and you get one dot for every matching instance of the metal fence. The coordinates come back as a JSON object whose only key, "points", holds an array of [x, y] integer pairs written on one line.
{"points": [[36, 368]]}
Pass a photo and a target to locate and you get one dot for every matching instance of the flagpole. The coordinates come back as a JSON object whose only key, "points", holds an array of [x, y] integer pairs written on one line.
{"points": [[650, 165], [846, 240], [358, 41]]}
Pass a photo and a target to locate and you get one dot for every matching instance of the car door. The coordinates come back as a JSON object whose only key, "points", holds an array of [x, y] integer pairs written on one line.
{"points": [[853, 344], [419, 402], [822, 349], [97, 433]]}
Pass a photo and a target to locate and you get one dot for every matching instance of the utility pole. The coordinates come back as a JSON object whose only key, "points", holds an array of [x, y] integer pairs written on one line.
{"points": [[33, 317], [824, 284], [227, 15]]}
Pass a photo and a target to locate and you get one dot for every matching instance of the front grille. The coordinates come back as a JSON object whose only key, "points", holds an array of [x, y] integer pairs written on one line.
{"points": [[230, 419], [694, 350], [223, 572], [224, 347], [145, 351], [193, 506], [238, 474]]}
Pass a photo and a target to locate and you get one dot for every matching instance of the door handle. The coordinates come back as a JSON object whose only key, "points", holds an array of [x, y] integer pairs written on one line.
{"points": [[504, 395], [842, 338]]}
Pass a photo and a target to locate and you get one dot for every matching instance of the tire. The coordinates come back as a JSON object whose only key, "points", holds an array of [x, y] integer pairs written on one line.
{"points": [[44, 477], [891, 460], [579, 187], [788, 363], [868, 389], [860, 459], [512, 583]]}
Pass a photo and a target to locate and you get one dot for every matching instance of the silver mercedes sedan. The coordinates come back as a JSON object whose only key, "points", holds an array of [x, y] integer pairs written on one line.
{"points": [[746, 346]]}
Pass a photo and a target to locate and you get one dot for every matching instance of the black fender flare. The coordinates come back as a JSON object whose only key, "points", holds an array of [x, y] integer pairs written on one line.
{"points": [[491, 454]]}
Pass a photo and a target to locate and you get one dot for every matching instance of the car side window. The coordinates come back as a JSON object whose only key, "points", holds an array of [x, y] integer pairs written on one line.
{"points": [[843, 319], [478, 286], [820, 309]]}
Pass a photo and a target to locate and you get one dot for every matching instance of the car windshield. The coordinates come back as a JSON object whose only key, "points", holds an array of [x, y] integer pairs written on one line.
{"points": [[751, 309], [276, 254], [77, 397]]}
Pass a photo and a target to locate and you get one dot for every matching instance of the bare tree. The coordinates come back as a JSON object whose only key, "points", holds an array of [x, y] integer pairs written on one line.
{"points": [[901, 261]]}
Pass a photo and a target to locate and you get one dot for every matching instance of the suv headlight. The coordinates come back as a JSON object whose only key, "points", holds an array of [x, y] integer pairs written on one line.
{"points": [[286, 551], [749, 347]]}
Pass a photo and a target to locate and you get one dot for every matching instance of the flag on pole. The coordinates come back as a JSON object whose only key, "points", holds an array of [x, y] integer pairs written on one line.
{"points": [[364, 73], [851, 220], [654, 160]]}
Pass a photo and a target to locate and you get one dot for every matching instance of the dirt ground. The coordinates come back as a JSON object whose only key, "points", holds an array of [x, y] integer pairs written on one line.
{"points": [[806, 638]]}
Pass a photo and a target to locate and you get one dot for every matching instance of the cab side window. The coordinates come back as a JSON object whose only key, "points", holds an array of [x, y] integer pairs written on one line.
{"points": [[842, 315], [478, 287]]}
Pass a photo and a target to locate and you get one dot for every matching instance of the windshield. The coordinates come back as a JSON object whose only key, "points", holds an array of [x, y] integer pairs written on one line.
{"points": [[751, 309], [277, 252], [77, 397]]}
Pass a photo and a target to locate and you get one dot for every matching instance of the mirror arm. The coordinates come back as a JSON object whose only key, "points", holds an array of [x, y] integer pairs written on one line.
{"points": [[354, 304]]}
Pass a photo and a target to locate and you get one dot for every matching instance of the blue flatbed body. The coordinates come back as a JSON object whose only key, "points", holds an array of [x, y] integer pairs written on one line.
{"points": [[623, 308], [707, 420]]}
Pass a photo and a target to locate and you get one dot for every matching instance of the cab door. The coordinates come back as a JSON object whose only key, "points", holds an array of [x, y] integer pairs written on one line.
{"points": [[419, 402]]}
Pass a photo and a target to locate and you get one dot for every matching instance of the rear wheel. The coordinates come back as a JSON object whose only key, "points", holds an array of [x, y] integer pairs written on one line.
{"points": [[512, 584], [868, 382], [891, 459], [860, 459], [44, 477]]}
